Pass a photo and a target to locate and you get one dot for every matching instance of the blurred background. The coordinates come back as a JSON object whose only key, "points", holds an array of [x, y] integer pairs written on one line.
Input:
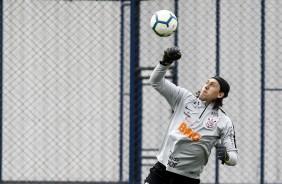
{"points": [[76, 104]]}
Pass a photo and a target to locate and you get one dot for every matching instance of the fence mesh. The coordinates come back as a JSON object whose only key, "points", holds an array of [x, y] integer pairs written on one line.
{"points": [[61, 91], [66, 85]]}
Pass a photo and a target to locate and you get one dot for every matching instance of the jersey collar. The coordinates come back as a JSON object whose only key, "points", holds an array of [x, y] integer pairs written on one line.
{"points": [[200, 103]]}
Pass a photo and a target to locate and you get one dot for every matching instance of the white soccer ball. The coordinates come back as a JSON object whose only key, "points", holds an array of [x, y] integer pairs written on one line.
{"points": [[164, 23]]}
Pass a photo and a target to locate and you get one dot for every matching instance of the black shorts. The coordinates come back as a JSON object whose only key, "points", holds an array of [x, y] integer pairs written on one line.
{"points": [[159, 175]]}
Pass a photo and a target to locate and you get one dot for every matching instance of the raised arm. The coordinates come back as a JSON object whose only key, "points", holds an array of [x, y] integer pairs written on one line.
{"points": [[157, 79]]}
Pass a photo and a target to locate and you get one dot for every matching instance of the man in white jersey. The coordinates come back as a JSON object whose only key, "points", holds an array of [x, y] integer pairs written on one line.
{"points": [[196, 126]]}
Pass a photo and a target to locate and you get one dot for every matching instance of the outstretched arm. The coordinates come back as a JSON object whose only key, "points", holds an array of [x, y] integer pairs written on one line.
{"points": [[167, 89]]}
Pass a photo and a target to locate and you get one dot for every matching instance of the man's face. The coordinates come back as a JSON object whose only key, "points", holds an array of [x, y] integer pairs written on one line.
{"points": [[211, 91]]}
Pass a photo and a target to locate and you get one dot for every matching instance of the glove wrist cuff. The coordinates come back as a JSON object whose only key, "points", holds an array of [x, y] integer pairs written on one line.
{"points": [[166, 63], [227, 157]]}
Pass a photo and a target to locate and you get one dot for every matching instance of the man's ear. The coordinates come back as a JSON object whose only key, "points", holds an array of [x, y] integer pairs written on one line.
{"points": [[220, 95]]}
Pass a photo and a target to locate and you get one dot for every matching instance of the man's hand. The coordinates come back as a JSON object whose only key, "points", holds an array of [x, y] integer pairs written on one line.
{"points": [[221, 152], [170, 55]]}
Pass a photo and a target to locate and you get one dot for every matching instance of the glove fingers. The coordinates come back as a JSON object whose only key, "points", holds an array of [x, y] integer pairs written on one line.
{"points": [[221, 151], [178, 55], [170, 55], [173, 53]]}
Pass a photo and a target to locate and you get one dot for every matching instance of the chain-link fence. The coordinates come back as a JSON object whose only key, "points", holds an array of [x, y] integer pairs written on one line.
{"points": [[61, 96], [77, 106]]}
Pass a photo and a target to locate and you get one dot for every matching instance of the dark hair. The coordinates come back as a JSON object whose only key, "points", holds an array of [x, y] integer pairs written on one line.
{"points": [[224, 86], [217, 103]]}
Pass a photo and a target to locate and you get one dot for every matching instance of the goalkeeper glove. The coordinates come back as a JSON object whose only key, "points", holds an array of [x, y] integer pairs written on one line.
{"points": [[170, 55], [222, 152]]}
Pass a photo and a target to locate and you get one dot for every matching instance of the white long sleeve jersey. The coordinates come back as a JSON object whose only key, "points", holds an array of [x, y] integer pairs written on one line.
{"points": [[193, 130]]}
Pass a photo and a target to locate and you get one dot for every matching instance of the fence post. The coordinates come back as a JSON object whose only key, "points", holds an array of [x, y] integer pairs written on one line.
{"points": [[217, 60], [262, 110], [175, 68], [135, 96], [1, 88]]}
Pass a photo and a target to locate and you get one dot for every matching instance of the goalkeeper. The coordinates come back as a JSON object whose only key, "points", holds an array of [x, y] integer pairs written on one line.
{"points": [[196, 126]]}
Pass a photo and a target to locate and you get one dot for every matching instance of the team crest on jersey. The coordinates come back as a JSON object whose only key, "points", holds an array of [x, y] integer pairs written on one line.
{"points": [[210, 123]]}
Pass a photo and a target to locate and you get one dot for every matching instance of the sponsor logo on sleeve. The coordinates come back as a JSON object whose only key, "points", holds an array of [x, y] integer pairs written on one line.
{"points": [[187, 111]]}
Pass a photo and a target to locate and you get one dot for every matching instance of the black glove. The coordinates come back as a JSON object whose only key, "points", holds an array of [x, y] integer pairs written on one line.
{"points": [[221, 152], [170, 55]]}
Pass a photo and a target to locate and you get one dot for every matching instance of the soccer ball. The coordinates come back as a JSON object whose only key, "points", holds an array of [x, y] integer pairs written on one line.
{"points": [[164, 23]]}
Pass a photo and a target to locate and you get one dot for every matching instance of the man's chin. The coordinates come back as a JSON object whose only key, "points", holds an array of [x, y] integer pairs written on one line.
{"points": [[202, 98]]}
